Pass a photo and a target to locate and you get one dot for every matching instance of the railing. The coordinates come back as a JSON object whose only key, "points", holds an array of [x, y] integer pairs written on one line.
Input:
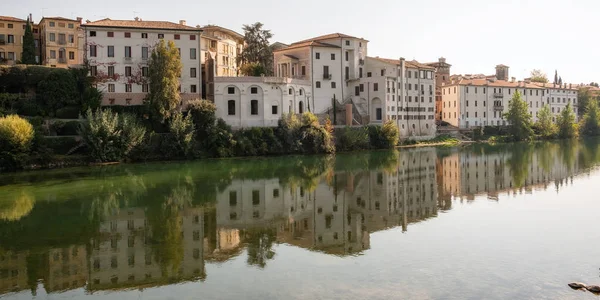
{"points": [[498, 108], [62, 42], [498, 95], [327, 76]]}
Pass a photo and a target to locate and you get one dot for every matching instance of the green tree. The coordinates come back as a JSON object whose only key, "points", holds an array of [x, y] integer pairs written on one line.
{"points": [[181, 129], [583, 98], [28, 56], [591, 119], [257, 50], [164, 70], [253, 69], [538, 76], [519, 118], [567, 127], [544, 123]]}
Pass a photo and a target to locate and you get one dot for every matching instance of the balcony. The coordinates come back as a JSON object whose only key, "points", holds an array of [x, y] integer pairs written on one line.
{"points": [[127, 60], [327, 76], [62, 42], [498, 108], [498, 95], [62, 60]]}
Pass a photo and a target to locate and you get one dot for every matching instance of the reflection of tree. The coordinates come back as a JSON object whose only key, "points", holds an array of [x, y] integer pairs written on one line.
{"points": [[546, 154], [16, 206], [520, 162], [260, 243], [112, 194], [568, 150]]}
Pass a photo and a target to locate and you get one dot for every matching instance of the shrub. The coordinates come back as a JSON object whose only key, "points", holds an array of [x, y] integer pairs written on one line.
{"points": [[182, 131], [61, 145], [304, 136], [16, 136], [56, 127], [220, 142], [110, 136], [70, 128], [29, 107], [69, 112], [385, 136], [350, 139], [57, 90], [257, 141]]}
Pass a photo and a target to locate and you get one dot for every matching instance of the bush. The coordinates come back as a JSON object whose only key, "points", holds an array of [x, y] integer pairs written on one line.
{"points": [[110, 136], [385, 136], [257, 141], [350, 139], [61, 145], [69, 112], [29, 107], [304, 136], [70, 128], [16, 136], [182, 132]]}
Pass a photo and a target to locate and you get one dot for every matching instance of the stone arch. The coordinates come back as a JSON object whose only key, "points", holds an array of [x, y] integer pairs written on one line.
{"points": [[255, 101], [232, 93]]}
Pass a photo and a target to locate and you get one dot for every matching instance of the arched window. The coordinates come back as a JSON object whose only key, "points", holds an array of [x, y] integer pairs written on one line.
{"points": [[254, 107], [413, 126], [301, 107], [231, 107], [427, 126]]}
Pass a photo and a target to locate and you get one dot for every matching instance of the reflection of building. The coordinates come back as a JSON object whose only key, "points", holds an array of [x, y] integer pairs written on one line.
{"points": [[67, 268], [13, 271], [125, 254]]}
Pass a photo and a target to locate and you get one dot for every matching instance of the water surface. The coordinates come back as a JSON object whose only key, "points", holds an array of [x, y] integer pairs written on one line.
{"points": [[480, 222]]}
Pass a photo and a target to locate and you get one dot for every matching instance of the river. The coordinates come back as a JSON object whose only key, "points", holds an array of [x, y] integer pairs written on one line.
{"points": [[475, 222]]}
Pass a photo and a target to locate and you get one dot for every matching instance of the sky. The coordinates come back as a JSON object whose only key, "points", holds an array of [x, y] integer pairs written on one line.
{"points": [[473, 35]]}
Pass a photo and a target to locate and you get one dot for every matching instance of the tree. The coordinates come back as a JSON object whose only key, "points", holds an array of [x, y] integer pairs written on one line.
{"points": [[545, 124], [28, 57], [519, 118], [164, 70], [583, 98], [590, 125], [594, 84], [253, 69], [555, 76], [567, 127], [182, 129], [257, 48], [538, 76], [559, 80]]}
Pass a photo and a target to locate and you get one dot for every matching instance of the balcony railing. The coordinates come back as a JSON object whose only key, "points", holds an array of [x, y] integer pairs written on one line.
{"points": [[498, 95], [62, 42], [62, 60], [327, 76], [498, 108]]}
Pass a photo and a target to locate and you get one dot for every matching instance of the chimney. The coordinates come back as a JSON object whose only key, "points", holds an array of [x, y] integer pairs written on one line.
{"points": [[136, 19], [182, 22], [80, 20], [30, 18], [570, 86], [512, 79]]}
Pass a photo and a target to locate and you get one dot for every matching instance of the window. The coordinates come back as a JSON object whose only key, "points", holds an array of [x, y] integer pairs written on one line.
{"points": [[71, 25], [71, 55], [52, 54], [301, 110], [231, 90], [71, 39], [52, 24], [382, 72], [346, 55], [274, 109], [318, 84], [111, 71], [333, 84], [347, 73], [10, 25], [145, 71], [254, 107], [192, 53], [375, 87], [144, 35], [144, 88], [317, 55], [110, 34], [144, 52], [378, 114], [52, 37], [93, 70], [111, 51], [192, 37], [360, 73], [301, 92], [193, 72], [332, 56], [253, 90], [356, 91], [128, 51], [368, 74], [127, 71], [92, 33], [111, 88], [231, 107], [128, 87], [303, 70], [177, 37], [290, 91], [127, 34], [193, 88], [326, 71], [347, 43]]}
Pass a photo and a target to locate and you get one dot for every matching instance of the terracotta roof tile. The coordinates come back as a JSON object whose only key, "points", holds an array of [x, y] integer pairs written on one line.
{"points": [[217, 28], [410, 64], [550, 85], [495, 83], [11, 19], [307, 44], [140, 24], [59, 18], [327, 37]]}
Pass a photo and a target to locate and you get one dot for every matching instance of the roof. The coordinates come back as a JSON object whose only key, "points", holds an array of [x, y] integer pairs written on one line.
{"points": [[140, 24], [217, 28], [409, 64], [58, 18], [328, 37], [290, 56], [550, 85], [11, 19], [495, 83], [307, 44]]}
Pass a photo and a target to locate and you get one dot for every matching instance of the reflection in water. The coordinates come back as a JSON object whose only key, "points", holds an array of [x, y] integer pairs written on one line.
{"points": [[135, 227]]}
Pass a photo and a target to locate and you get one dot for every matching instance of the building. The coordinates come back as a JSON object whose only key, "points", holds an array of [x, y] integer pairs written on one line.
{"points": [[118, 52], [61, 42], [259, 101], [442, 76], [474, 101], [402, 91], [12, 31], [333, 64], [220, 50]]}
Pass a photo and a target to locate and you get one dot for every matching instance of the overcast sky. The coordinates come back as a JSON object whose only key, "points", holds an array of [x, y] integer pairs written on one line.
{"points": [[473, 35]]}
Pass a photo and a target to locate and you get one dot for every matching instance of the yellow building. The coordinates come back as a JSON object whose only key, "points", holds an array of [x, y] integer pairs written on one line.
{"points": [[62, 42], [219, 55], [11, 39]]}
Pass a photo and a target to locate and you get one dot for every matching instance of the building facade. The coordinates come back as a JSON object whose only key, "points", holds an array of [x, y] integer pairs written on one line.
{"points": [[12, 31], [220, 50], [118, 52], [442, 76], [259, 101], [61, 42]]}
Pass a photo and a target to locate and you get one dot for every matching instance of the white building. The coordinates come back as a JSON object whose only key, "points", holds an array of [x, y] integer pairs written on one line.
{"points": [[118, 53], [259, 101], [333, 64]]}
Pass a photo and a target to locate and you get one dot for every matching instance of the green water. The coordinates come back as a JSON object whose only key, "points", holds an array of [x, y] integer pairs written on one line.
{"points": [[479, 222]]}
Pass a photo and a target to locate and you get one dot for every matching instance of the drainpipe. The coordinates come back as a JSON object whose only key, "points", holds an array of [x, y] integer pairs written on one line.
{"points": [[312, 77]]}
